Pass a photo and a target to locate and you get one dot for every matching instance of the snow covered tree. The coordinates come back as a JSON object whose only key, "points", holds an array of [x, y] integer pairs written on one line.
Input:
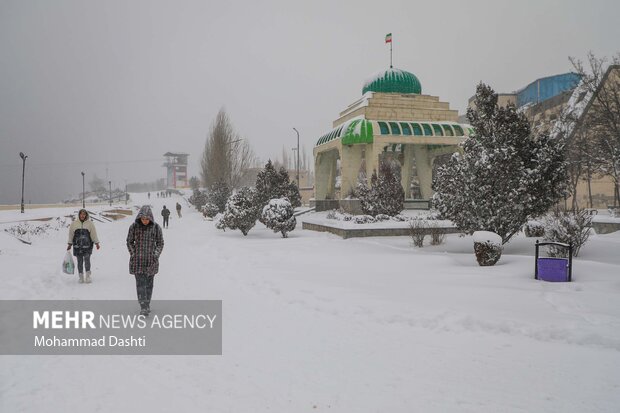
{"points": [[292, 193], [570, 227], [219, 194], [267, 184], [505, 174], [198, 199], [600, 82], [385, 194], [272, 184], [226, 156], [240, 212], [278, 216]]}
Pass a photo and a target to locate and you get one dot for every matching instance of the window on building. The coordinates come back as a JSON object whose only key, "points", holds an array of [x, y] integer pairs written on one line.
{"points": [[384, 128], [417, 130], [406, 129], [395, 128], [447, 130], [458, 130], [437, 129], [427, 129]]}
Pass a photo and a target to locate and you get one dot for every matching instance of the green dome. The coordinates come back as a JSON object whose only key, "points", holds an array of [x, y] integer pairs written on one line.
{"points": [[393, 81]]}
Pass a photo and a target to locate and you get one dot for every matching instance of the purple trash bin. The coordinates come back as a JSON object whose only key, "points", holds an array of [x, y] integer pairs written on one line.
{"points": [[553, 269]]}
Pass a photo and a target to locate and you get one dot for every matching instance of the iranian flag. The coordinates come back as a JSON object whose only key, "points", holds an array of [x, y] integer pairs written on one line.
{"points": [[388, 38]]}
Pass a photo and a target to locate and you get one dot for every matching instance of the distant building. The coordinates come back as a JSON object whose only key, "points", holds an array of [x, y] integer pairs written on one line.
{"points": [[176, 170], [542, 100]]}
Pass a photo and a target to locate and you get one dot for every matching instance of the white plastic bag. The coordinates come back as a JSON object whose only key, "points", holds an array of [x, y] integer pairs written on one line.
{"points": [[68, 266]]}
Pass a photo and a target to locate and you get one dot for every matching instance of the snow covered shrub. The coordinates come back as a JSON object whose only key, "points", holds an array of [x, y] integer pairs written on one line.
{"points": [[198, 199], [400, 218], [569, 227], [487, 247], [417, 231], [241, 211], [331, 214], [438, 235], [382, 217], [534, 229], [505, 174], [278, 216], [385, 194], [363, 219], [210, 210]]}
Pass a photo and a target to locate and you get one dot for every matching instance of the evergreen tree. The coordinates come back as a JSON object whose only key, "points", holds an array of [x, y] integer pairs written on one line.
{"points": [[292, 193], [505, 174], [385, 194], [219, 194], [278, 215], [267, 184], [198, 199], [240, 212]]}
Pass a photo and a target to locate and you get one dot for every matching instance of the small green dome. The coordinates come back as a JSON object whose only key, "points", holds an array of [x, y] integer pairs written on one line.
{"points": [[393, 81]]}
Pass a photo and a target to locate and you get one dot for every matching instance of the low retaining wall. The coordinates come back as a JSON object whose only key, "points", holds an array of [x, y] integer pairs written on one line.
{"points": [[366, 232], [606, 227]]}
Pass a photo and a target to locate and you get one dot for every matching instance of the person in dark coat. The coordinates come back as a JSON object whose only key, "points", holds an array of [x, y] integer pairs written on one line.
{"points": [[82, 236], [145, 242], [179, 209], [165, 213]]}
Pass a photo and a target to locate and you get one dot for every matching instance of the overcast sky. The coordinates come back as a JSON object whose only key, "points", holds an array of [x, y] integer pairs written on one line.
{"points": [[85, 83]]}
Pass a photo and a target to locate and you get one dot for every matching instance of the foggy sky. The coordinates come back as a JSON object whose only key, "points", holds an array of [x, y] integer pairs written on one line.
{"points": [[90, 85]]}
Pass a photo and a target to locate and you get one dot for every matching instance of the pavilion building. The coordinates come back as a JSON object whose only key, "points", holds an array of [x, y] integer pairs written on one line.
{"points": [[392, 122]]}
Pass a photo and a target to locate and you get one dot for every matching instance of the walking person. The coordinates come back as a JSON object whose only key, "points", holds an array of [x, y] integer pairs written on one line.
{"points": [[82, 236], [179, 209], [145, 242], [149, 195], [165, 213]]}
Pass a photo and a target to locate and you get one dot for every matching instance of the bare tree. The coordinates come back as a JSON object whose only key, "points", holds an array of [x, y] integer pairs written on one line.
{"points": [[226, 156], [601, 118]]}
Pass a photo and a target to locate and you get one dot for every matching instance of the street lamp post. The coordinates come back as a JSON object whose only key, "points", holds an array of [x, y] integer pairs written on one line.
{"points": [[83, 192], [110, 183], [21, 155], [126, 192], [297, 157]]}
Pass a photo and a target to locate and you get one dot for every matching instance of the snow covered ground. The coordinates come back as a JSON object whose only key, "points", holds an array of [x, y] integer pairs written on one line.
{"points": [[317, 323]]}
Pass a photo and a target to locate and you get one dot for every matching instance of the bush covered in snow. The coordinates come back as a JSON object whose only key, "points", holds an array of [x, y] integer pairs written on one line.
{"points": [[417, 231], [241, 211], [26, 230], [534, 229], [569, 227], [278, 216], [198, 199], [505, 174], [363, 219], [210, 210], [385, 196], [487, 247]]}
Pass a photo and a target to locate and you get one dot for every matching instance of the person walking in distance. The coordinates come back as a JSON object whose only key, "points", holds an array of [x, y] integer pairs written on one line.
{"points": [[145, 242], [82, 236], [179, 209], [165, 213]]}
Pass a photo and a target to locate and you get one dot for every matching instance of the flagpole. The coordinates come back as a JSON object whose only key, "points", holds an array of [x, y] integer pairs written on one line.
{"points": [[391, 53]]}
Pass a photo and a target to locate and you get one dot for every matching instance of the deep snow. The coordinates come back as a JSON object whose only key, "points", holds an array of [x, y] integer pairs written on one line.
{"points": [[317, 323]]}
